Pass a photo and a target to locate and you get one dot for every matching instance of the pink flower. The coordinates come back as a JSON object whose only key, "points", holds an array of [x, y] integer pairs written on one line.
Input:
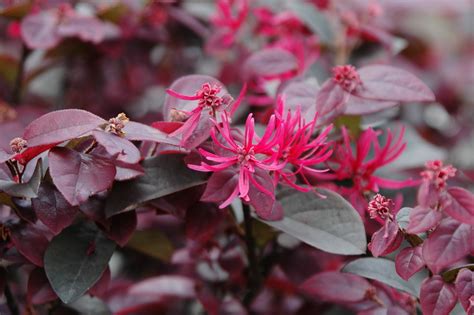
{"points": [[297, 146], [347, 77], [358, 168], [438, 174], [208, 99], [247, 154], [228, 20], [381, 207]]}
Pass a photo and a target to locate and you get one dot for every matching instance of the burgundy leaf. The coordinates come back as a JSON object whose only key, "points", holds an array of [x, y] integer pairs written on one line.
{"points": [[220, 186], [161, 286], [331, 101], [127, 171], [121, 227], [387, 83], [135, 131], [79, 176], [270, 63], [123, 149], [86, 28], [264, 204], [302, 94], [31, 242], [336, 287], [385, 240], [202, 221], [363, 106], [459, 204], [39, 289], [422, 219], [59, 126], [39, 30], [450, 242], [52, 209], [101, 286], [437, 297], [464, 286], [409, 261], [427, 195]]}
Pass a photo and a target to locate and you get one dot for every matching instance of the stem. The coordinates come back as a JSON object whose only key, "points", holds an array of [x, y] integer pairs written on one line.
{"points": [[11, 301], [254, 276], [16, 93]]}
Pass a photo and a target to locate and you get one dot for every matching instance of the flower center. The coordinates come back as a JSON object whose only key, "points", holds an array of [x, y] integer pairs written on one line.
{"points": [[244, 155], [438, 174], [347, 77]]}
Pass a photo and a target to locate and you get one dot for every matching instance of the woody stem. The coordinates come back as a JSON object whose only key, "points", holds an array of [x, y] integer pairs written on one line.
{"points": [[254, 276]]}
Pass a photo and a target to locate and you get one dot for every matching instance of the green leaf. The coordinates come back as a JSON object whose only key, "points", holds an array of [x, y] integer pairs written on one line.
{"points": [[383, 270], [76, 259], [314, 20], [24, 190], [164, 175], [330, 224]]}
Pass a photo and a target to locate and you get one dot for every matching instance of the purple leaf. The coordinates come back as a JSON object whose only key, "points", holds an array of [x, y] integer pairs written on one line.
{"points": [[30, 241], [459, 204], [135, 131], [464, 286], [437, 297], [79, 176], [121, 227], [450, 242], [59, 126], [202, 221], [302, 94], [161, 286], [336, 287], [39, 289], [264, 204], [409, 261], [220, 186], [387, 83], [101, 286], [86, 28], [119, 147], [385, 240], [422, 219], [127, 171], [39, 30], [52, 209], [362, 106], [331, 101], [270, 63]]}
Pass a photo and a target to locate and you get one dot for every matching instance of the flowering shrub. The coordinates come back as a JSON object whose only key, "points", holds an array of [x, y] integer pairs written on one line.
{"points": [[235, 157]]}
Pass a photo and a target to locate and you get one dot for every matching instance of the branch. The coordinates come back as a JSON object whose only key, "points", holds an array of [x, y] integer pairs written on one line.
{"points": [[17, 88], [11, 303]]}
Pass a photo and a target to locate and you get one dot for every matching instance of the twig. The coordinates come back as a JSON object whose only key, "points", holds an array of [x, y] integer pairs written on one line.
{"points": [[17, 88], [254, 276], [11, 303]]}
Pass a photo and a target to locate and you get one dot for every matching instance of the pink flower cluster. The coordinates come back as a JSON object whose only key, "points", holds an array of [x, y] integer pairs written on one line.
{"points": [[438, 174]]}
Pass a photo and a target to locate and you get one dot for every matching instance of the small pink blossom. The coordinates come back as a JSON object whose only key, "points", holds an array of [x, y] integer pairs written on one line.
{"points": [[208, 99], [380, 207], [18, 144], [347, 77], [246, 154], [116, 124], [438, 174]]}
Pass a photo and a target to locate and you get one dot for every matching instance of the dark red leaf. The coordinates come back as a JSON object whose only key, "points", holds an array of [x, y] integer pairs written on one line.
{"points": [[139, 132], [363, 106], [202, 221], [79, 176], [52, 209], [336, 287], [59, 126], [464, 286], [331, 101], [39, 289], [422, 219], [459, 204], [39, 30], [409, 261], [31, 242], [388, 83], [385, 240], [101, 286], [264, 204], [270, 63], [121, 227], [118, 147], [220, 186], [450, 242], [437, 297]]}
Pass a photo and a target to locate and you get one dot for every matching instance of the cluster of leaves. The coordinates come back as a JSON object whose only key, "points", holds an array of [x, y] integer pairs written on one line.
{"points": [[249, 202]]}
